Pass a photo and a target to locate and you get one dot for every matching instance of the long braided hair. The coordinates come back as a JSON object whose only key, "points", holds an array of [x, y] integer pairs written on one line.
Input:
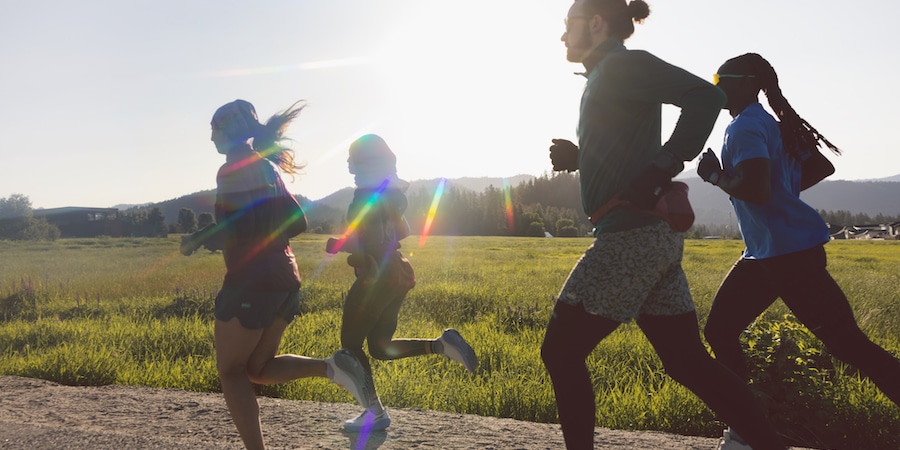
{"points": [[797, 135]]}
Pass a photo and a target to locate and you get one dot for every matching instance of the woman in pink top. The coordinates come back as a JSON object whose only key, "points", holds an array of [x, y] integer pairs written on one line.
{"points": [[260, 296]]}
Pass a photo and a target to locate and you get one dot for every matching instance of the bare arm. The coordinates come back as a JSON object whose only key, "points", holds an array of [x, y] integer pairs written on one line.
{"points": [[751, 181]]}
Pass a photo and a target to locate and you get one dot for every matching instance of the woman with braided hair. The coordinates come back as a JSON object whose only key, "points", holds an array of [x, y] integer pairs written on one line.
{"points": [[765, 164]]}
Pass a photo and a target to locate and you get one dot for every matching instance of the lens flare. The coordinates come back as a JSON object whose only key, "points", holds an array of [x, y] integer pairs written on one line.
{"points": [[366, 207], [507, 197], [250, 159], [432, 211], [365, 432], [274, 234], [278, 231]]}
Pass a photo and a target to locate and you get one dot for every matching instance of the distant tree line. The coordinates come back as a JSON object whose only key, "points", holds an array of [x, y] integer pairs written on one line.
{"points": [[549, 203], [145, 222], [545, 204], [542, 205], [189, 222], [846, 218], [17, 221]]}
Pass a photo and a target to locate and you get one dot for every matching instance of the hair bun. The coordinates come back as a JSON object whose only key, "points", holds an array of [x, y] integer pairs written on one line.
{"points": [[639, 10]]}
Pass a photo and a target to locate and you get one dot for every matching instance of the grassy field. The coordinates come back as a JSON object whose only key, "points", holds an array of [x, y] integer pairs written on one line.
{"points": [[134, 311]]}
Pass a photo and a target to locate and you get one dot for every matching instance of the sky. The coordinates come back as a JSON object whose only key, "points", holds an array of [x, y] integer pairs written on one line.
{"points": [[108, 102]]}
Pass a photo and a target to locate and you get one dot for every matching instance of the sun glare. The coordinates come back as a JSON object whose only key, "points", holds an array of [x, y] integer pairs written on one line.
{"points": [[313, 65]]}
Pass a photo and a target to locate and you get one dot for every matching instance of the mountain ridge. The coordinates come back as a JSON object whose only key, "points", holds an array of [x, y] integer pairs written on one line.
{"points": [[711, 205]]}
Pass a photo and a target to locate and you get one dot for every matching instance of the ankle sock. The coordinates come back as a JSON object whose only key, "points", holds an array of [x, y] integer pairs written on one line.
{"points": [[376, 407]]}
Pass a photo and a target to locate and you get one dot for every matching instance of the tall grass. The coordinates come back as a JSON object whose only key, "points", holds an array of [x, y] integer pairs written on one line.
{"points": [[135, 312]]}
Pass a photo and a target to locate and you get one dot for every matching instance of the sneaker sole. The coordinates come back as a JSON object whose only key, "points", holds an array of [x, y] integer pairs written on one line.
{"points": [[454, 340], [377, 425], [347, 363]]}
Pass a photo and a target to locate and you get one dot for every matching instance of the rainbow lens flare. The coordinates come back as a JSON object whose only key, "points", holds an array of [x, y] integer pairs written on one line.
{"points": [[279, 229], [432, 211], [507, 198], [366, 207]]}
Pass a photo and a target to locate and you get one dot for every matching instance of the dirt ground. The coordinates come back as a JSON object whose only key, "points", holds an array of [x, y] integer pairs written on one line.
{"points": [[39, 414]]}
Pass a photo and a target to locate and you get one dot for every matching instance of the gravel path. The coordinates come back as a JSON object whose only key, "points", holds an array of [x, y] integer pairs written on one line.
{"points": [[39, 414]]}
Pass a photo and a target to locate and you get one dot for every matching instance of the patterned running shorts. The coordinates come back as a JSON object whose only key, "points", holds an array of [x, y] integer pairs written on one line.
{"points": [[629, 273]]}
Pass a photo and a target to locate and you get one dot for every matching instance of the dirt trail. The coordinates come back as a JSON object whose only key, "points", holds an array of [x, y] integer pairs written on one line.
{"points": [[39, 414]]}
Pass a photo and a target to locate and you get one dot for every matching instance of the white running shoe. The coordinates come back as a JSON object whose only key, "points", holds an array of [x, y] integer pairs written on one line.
{"points": [[457, 349], [348, 373], [368, 420], [727, 442]]}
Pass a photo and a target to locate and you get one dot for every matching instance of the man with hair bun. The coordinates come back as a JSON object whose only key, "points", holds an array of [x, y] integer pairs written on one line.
{"points": [[633, 269]]}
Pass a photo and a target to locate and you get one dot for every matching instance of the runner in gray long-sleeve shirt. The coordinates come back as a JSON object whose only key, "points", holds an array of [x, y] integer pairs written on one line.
{"points": [[633, 269]]}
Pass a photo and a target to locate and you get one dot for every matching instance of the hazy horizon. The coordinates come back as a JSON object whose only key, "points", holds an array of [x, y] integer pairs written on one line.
{"points": [[683, 175]]}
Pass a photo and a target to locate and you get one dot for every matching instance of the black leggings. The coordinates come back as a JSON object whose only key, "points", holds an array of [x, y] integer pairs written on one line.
{"points": [[573, 333], [802, 281], [371, 311]]}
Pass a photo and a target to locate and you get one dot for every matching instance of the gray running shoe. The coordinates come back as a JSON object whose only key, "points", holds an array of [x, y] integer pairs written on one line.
{"points": [[457, 349], [728, 442], [348, 373], [369, 421]]}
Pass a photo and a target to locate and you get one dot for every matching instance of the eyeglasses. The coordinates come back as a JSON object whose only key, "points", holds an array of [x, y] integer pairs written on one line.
{"points": [[567, 19], [718, 77]]}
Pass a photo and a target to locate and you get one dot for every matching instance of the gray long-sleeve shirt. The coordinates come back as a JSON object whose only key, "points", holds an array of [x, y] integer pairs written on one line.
{"points": [[620, 124]]}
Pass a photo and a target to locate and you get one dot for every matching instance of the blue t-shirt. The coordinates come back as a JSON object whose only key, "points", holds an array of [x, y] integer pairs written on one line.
{"points": [[783, 224]]}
